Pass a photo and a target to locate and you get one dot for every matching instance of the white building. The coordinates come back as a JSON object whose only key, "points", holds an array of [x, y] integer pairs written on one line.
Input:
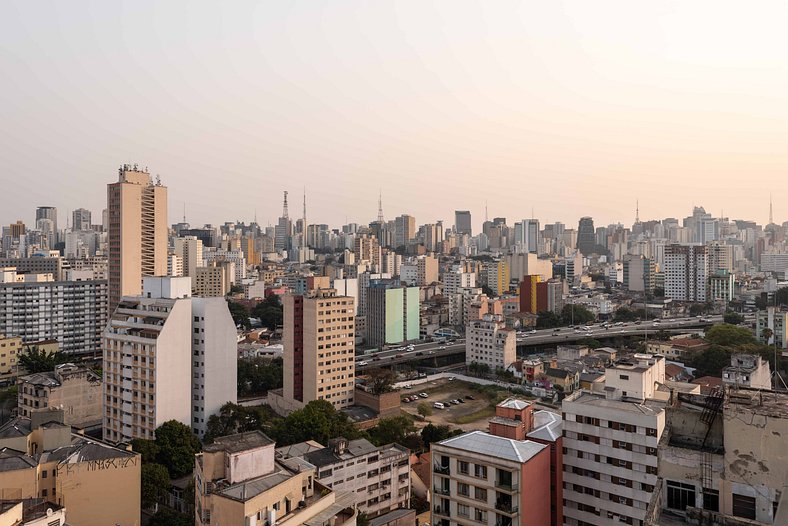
{"points": [[686, 272], [747, 370], [167, 356], [455, 279], [189, 249], [489, 342], [610, 445]]}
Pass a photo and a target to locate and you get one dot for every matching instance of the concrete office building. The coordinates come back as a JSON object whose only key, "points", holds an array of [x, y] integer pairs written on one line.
{"points": [[81, 220], [189, 249], [527, 236], [686, 272], [37, 264], [392, 313], [38, 307], [319, 356], [167, 356], [48, 213], [97, 483], [239, 481], [137, 233], [379, 476], [462, 222], [610, 441], [638, 273], [489, 342], [586, 236], [404, 230], [528, 265], [480, 478], [75, 390]]}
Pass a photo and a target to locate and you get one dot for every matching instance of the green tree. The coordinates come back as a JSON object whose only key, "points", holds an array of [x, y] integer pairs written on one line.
{"points": [[766, 334], [581, 314], [155, 481], [487, 291], [362, 519], [729, 335], [432, 433], [547, 320], [318, 421], [624, 314], [732, 318], [711, 361], [233, 418], [36, 360], [662, 335], [393, 429], [479, 369], [270, 312], [177, 447], [259, 375], [240, 315], [170, 517], [146, 448], [424, 409], [697, 309], [381, 380]]}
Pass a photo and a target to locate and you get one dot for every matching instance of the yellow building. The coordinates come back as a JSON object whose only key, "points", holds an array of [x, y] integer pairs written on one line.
{"points": [[211, 281], [239, 482], [41, 458], [10, 348]]}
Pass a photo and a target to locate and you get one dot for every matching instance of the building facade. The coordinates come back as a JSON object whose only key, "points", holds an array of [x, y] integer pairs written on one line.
{"points": [[75, 390], [489, 342], [392, 313], [686, 272]]}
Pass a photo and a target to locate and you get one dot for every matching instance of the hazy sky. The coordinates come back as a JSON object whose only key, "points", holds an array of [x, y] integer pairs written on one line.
{"points": [[572, 108]]}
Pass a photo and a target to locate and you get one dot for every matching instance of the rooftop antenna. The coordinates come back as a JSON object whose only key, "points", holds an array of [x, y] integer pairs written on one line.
{"points": [[380, 207], [184, 211], [284, 208], [637, 211], [486, 219], [771, 210]]}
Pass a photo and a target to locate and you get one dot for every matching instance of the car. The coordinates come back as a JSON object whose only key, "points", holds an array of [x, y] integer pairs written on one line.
{"points": [[423, 395], [460, 400], [442, 347], [362, 363], [532, 331], [455, 402], [419, 353], [407, 386], [451, 378], [414, 397], [406, 399], [469, 397], [447, 403], [430, 352], [439, 405]]}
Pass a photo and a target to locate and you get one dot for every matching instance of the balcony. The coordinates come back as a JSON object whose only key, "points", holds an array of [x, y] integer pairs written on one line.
{"points": [[442, 490], [504, 521], [441, 510], [443, 470], [506, 485], [506, 507]]}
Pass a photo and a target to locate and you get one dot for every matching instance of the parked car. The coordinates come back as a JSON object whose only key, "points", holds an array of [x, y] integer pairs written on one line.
{"points": [[469, 397], [362, 363], [438, 405], [423, 395]]}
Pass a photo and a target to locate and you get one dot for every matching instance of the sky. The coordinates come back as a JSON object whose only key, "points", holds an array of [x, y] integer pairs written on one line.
{"points": [[564, 108]]}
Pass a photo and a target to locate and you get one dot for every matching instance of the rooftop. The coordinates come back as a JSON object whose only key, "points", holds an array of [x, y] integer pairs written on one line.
{"points": [[494, 446], [649, 407], [239, 442], [548, 426], [514, 403]]}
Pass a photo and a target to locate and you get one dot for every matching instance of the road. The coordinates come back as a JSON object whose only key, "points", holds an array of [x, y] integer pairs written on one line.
{"points": [[567, 335]]}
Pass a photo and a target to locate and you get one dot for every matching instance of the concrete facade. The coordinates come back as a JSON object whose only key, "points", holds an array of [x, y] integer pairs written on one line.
{"points": [[76, 390]]}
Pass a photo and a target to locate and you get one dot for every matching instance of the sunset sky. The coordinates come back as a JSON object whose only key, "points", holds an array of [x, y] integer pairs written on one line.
{"points": [[572, 108]]}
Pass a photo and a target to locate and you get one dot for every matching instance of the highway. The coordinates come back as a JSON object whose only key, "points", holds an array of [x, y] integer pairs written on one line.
{"points": [[567, 335]]}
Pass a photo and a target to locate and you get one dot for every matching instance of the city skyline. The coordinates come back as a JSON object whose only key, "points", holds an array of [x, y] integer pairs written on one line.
{"points": [[578, 113]]}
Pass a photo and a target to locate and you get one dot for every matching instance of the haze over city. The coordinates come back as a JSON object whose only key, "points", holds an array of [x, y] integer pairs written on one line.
{"points": [[567, 108]]}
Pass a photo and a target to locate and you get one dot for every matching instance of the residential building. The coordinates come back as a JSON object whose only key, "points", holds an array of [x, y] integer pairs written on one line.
{"points": [[38, 264], [747, 370], [720, 257], [392, 313], [528, 264], [31, 512], [686, 272], [81, 220], [492, 480], [496, 276], [190, 250], [777, 322], [455, 279], [74, 389], [137, 233], [541, 296], [41, 458], [48, 213], [239, 482], [639, 273], [174, 265], [319, 349], [366, 249], [38, 307], [10, 350], [167, 356], [489, 342], [610, 441], [379, 476], [211, 281], [404, 230]]}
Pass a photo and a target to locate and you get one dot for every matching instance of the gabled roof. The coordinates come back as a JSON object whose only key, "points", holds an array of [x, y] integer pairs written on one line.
{"points": [[514, 403], [548, 426], [495, 446]]}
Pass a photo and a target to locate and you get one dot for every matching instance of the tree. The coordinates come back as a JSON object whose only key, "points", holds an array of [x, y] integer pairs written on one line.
{"points": [[781, 296], [177, 447], [259, 375], [711, 361], [577, 314], [318, 421], [591, 343], [233, 418], [424, 409], [146, 448], [732, 318], [393, 429], [487, 291], [729, 335], [381, 380], [432, 433], [662, 335], [169, 517], [547, 320], [767, 334], [624, 314], [697, 309], [240, 315], [269, 311], [36, 360], [362, 519], [155, 481], [479, 369]]}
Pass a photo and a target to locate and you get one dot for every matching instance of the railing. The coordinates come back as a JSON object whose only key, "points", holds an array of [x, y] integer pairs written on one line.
{"points": [[506, 507], [510, 485], [441, 491], [437, 468], [441, 510]]}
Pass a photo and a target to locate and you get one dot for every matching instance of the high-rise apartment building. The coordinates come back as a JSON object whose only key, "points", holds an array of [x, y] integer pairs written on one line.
{"points": [[638, 273], [488, 342], [167, 356], [455, 279], [404, 230], [462, 222], [686, 272], [137, 234], [610, 445], [367, 250], [319, 343], [541, 296], [497, 275], [189, 249], [586, 236], [720, 257], [81, 220], [392, 313]]}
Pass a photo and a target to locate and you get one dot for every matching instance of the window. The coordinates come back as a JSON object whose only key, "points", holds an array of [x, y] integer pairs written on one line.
{"points": [[743, 506], [711, 499], [624, 377], [463, 510], [680, 495], [480, 494], [463, 489], [463, 467], [480, 515], [480, 471]]}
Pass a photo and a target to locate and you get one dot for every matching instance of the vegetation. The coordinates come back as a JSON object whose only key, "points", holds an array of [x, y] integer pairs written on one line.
{"points": [[168, 517], [479, 369], [626, 314], [424, 409], [270, 312], [725, 340], [233, 418], [729, 335], [240, 315], [732, 318], [259, 375], [318, 421], [432, 433], [381, 380], [36, 360], [577, 314], [781, 296], [155, 483], [175, 447], [399, 429]]}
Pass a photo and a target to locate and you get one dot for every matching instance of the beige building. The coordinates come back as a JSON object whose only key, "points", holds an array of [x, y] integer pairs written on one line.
{"points": [[239, 482], [319, 356], [137, 232], [74, 389], [10, 348], [189, 249], [97, 483], [489, 342], [31, 512], [211, 281]]}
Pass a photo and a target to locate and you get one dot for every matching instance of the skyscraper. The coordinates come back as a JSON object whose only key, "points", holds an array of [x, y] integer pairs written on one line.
{"points": [[47, 212], [586, 236], [686, 272], [405, 230], [462, 222], [80, 220], [284, 229], [137, 236]]}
